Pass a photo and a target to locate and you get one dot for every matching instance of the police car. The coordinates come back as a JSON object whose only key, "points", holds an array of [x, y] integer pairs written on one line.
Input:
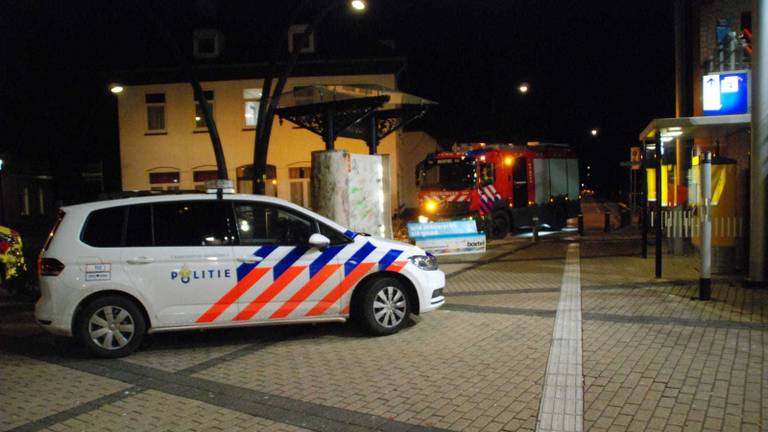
{"points": [[113, 271]]}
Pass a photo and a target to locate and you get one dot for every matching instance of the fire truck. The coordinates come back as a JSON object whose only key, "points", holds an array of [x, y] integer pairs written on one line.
{"points": [[501, 186]]}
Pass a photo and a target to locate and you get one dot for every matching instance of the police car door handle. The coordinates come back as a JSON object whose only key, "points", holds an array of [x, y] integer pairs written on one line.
{"points": [[249, 259], [140, 260]]}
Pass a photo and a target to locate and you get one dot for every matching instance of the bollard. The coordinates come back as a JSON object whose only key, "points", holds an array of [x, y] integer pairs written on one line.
{"points": [[705, 225], [581, 224], [535, 223], [607, 222]]}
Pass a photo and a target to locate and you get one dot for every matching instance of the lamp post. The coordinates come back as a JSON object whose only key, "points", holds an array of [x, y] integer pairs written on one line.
{"points": [[266, 113]]}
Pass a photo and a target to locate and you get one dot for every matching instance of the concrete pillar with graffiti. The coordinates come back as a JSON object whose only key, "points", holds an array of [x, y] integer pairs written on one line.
{"points": [[353, 190]]}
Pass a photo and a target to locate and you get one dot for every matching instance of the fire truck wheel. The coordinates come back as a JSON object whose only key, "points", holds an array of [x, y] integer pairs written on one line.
{"points": [[499, 225]]}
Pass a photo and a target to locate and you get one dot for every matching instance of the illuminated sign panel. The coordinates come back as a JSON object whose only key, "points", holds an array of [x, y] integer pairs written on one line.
{"points": [[725, 93]]}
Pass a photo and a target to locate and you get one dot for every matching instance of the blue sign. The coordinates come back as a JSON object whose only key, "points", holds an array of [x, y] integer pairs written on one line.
{"points": [[448, 237], [418, 231], [725, 93]]}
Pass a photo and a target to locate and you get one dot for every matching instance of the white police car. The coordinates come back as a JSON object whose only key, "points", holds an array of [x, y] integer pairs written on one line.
{"points": [[112, 271]]}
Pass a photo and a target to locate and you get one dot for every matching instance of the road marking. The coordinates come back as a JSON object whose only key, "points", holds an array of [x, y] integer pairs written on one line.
{"points": [[562, 402]]}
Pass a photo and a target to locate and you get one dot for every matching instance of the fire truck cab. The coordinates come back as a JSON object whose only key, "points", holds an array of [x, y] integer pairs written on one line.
{"points": [[501, 186]]}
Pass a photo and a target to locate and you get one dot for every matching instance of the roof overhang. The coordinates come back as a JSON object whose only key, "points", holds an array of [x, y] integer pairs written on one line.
{"points": [[696, 127]]}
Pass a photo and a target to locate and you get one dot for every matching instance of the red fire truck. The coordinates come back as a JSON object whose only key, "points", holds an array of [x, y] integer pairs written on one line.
{"points": [[501, 186]]}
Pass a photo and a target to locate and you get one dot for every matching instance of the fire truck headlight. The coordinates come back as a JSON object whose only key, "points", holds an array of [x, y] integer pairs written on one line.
{"points": [[430, 206], [423, 219]]}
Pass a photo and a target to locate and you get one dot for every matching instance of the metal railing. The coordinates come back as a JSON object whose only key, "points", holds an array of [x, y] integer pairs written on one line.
{"points": [[685, 224], [728, 56]]}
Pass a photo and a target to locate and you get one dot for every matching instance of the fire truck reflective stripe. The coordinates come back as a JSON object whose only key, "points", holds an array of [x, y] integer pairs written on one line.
{"points": [[345, 310], [358, 257], [262, 299], [288, 260], [305, 291], [397, 266], [388, 259], [350, 233], [324, 259], [339, 290], [233, 294], [462, 198], [484, 205], [262, 252], [490, 193]]}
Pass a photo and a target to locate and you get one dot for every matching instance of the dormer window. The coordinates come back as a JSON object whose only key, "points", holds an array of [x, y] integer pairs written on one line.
{"points": [[207, 44], [295, 33]]}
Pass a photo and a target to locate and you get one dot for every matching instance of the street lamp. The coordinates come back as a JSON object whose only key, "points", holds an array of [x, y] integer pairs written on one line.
{"points": [[594, 131], [358, 5], [523, 88], [269, 104], [116, 88]]}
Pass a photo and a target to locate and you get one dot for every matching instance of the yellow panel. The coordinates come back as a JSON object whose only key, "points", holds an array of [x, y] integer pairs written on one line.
{"points": [[651, 181], [665, 185]]}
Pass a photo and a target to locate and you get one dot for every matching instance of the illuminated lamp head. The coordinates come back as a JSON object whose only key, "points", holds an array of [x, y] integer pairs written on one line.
{"points": [[430, 206]]}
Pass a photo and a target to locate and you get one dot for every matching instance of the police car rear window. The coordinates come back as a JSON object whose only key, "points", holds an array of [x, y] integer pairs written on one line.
{"points": [[192, 223], [104, 228]]}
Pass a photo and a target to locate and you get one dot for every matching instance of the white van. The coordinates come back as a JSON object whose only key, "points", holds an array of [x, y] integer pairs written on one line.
{"points": [[112, 271]]}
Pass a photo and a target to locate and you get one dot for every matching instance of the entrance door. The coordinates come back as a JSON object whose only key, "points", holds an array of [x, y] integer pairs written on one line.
{"points": [[520, 183], [184, 265]]}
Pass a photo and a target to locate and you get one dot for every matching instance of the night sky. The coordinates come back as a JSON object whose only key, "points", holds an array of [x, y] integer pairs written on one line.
{"points": [[603, 64]]}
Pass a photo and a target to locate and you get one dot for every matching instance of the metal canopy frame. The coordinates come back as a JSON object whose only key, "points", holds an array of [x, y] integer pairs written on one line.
{"points": [[329, 119], [696, 127], [368, 113], [386, 121]]}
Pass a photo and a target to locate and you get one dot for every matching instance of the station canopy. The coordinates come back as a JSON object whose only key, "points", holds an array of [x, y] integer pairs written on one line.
{"points": [[352, 111], [695, 127]]}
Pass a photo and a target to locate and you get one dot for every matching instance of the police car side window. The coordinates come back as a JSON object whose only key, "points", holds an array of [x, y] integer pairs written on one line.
{"points": [[104, 228], [261, 223], [333, 235], [192, 223]]}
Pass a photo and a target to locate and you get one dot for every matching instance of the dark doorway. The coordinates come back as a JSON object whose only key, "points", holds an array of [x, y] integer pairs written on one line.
{"points": [[520, 184]]}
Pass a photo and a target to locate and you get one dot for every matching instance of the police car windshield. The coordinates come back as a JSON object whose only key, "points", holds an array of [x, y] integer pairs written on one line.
{"points": [[447, 174]]}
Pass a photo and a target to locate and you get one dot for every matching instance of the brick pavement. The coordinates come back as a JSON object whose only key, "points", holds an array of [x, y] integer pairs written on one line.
{"points": [[652, 359]]}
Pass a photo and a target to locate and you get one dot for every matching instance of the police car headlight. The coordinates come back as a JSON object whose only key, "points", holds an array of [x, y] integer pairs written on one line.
{"points": [[424, 262]]}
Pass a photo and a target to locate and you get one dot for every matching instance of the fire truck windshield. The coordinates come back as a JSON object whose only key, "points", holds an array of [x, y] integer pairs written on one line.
{"points": [[447, 174]]}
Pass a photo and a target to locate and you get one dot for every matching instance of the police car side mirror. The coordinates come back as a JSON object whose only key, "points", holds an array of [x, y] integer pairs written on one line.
{"points": [[319, 241]]}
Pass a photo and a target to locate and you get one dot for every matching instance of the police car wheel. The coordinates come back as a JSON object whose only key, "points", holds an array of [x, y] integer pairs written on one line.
{"points": [[111, 327], [384, 307]]}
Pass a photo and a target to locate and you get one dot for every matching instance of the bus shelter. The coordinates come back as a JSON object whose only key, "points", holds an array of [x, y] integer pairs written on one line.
{"points": [[671, 160]]}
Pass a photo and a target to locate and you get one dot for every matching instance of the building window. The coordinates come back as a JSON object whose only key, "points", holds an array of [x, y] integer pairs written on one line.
{"points": [[295, 33], [155, 112], [25, 202], [251, 100], [199, 117], [168, 180], [41, 200], [207, 44], [245, 180], [202, 176], [299, 183]]}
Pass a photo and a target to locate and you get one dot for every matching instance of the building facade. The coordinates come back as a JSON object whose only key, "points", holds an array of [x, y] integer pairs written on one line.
{"points": [[164, 144]]}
